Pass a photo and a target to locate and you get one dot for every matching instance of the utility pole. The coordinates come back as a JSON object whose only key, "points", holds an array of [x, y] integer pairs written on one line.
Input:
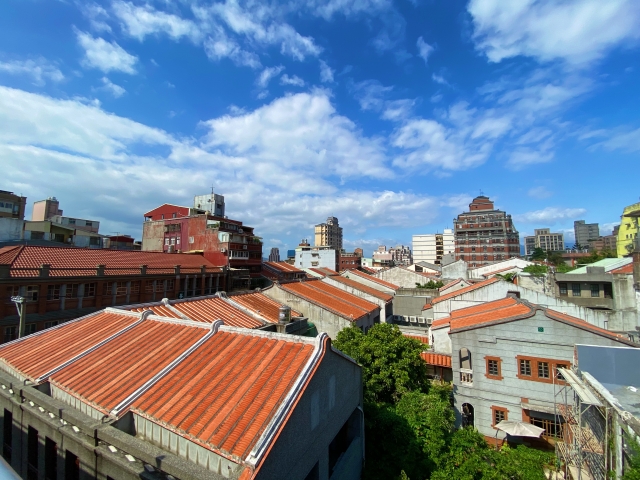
{"points": [[22, 312]]}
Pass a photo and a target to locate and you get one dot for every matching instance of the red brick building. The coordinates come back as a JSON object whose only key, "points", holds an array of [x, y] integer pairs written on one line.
{"points": [[62, 283], [222, 241], [349, 261], [484, 235]]}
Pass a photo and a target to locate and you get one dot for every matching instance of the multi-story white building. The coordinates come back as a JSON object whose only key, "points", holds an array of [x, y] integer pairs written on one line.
{"points": [[432, 247], [401, 255], [544, 239], [315, 257], [210, 202]]}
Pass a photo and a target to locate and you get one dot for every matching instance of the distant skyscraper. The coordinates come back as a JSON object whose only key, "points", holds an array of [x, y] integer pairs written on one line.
{"points": [[544, 239], [329, 234], [431, 247], [485, 235], [585, 232], [274, 256]]}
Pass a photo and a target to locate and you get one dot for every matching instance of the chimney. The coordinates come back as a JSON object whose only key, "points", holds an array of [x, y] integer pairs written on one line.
{"points": [[44, 269], [143, 269], [100, 270]]}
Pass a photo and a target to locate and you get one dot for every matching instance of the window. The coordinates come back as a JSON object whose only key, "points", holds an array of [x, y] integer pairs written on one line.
{"points": [[31, 293], [177, 240], [494, 368], [89, 289], [499, 414], [166, 241], [135, 287], [159, 286], [53, 292], [71, 291], [71, 466], [170, 285], [595, 290], [173, 240], [50, 324], [543, 369], [121, 288], [552, 426], [466, 372], [525, 368], [32, 454], [30, 328], [10, 333], [575, 289], [72, 221], [173, 215], [608, 290], [563, 288], [7, 437], [50, 459]]}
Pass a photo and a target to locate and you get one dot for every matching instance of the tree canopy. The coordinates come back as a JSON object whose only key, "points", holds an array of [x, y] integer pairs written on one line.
{"points": [[431, 284], [538, 254], [391, 363]]}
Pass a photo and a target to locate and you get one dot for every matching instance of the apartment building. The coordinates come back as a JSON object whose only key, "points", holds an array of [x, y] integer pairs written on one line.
{"points": [[629, 229], [584, 232], [274, 254], [484, 235], [308, 257], [329, 234], [432, 247], [12, 205], [544, 239], [401, 255]]}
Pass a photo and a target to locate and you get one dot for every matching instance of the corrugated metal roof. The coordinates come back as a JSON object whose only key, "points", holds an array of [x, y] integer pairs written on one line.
{"points": [[363, 288], [608, 264], [372, 278], [436, 359]]}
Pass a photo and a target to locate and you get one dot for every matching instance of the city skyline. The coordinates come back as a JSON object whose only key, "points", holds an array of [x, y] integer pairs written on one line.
{"points": [[388, 116]]}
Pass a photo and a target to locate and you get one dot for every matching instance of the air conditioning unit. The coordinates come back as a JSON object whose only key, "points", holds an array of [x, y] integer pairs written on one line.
{"points": [[413, 319], [223, 250], [421, 320]]}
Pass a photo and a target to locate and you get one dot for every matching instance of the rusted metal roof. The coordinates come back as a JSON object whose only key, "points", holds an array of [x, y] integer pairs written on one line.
{"points": [[437, 359], [262, 305]]}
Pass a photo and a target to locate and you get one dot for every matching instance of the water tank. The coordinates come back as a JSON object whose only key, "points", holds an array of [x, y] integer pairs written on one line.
{"points": [[284, 314]]}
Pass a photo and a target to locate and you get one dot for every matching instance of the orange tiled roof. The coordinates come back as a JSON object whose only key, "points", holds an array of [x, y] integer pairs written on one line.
{"points": [[203, 309], [363, 288], [626, 269], [421, 338], [374, 279], [109, 374], [437, 359], [450, 284], [61, 343], [341, 304], [365, 305], [262, 305], [236, 384], [324, 271], [470, 288], [25, 261], [283, 267], [510, 309]]}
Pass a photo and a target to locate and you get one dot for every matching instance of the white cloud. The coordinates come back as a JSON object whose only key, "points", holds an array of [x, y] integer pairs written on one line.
{"points": [[326, 73], [299, 130], [398, 110], [626, 141], [440, 79], [106, 56], [550, 215], [348, 8], [96, 15], [539, 193], [576, 31], [40, 70], [267, 74], [139, 22], [295, 80], [524, 157], [370, 94], [424, 49], [220, 46], [116, 90]]}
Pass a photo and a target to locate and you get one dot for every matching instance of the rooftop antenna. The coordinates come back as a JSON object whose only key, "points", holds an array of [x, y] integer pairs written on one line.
{"points": [[481, 192]]}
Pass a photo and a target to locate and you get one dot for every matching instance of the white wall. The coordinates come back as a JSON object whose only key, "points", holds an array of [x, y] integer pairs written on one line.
{"points": [[402, 277], [512, 262], [316, 259], [11, 229]]}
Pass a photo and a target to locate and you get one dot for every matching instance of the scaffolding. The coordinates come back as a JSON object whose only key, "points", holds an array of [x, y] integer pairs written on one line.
{"points": [[582, 452]]}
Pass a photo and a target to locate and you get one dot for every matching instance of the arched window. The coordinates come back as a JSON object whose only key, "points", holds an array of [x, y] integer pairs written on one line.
{"points": [[467, 415], [465, 358]]}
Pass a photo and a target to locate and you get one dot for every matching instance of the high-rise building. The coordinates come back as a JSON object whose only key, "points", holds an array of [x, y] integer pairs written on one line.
{"points": [[45, 209], [12, 205], [484, 235], [544, 239], [585, 232], [274, 256], [431, 247], [401, 255], [329, 234]]}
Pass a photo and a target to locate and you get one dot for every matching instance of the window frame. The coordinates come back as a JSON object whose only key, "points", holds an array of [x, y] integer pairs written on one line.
{"points": [[488, 373], [595, 290], [494, 410], [563, 289], [574, 290], [535, 362]]}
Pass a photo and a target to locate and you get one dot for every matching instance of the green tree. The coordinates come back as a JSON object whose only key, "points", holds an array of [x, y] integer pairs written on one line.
{"points": [[431, 284], [391, 363], [432, 420], [536, 270], [538, 254], [555, 258], [507, 277], [391, 446]]}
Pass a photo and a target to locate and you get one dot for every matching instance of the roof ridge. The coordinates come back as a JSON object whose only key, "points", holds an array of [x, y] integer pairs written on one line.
{"points": [[342, 299], [319, 304]]}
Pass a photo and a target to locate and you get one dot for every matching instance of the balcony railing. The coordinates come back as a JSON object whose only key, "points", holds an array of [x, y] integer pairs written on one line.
{"points": [[466, 376]]}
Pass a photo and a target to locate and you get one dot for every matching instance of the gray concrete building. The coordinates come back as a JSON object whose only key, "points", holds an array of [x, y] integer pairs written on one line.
{"points": [[504, 359], [544, 239], [124, 395], [584, 232]]}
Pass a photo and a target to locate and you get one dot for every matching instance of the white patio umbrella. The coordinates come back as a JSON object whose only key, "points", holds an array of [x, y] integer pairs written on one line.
{"points": [[519, 428]]}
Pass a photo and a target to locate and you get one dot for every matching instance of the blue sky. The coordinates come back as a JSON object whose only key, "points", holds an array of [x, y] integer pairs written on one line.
{"points": [[389, 115]]}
